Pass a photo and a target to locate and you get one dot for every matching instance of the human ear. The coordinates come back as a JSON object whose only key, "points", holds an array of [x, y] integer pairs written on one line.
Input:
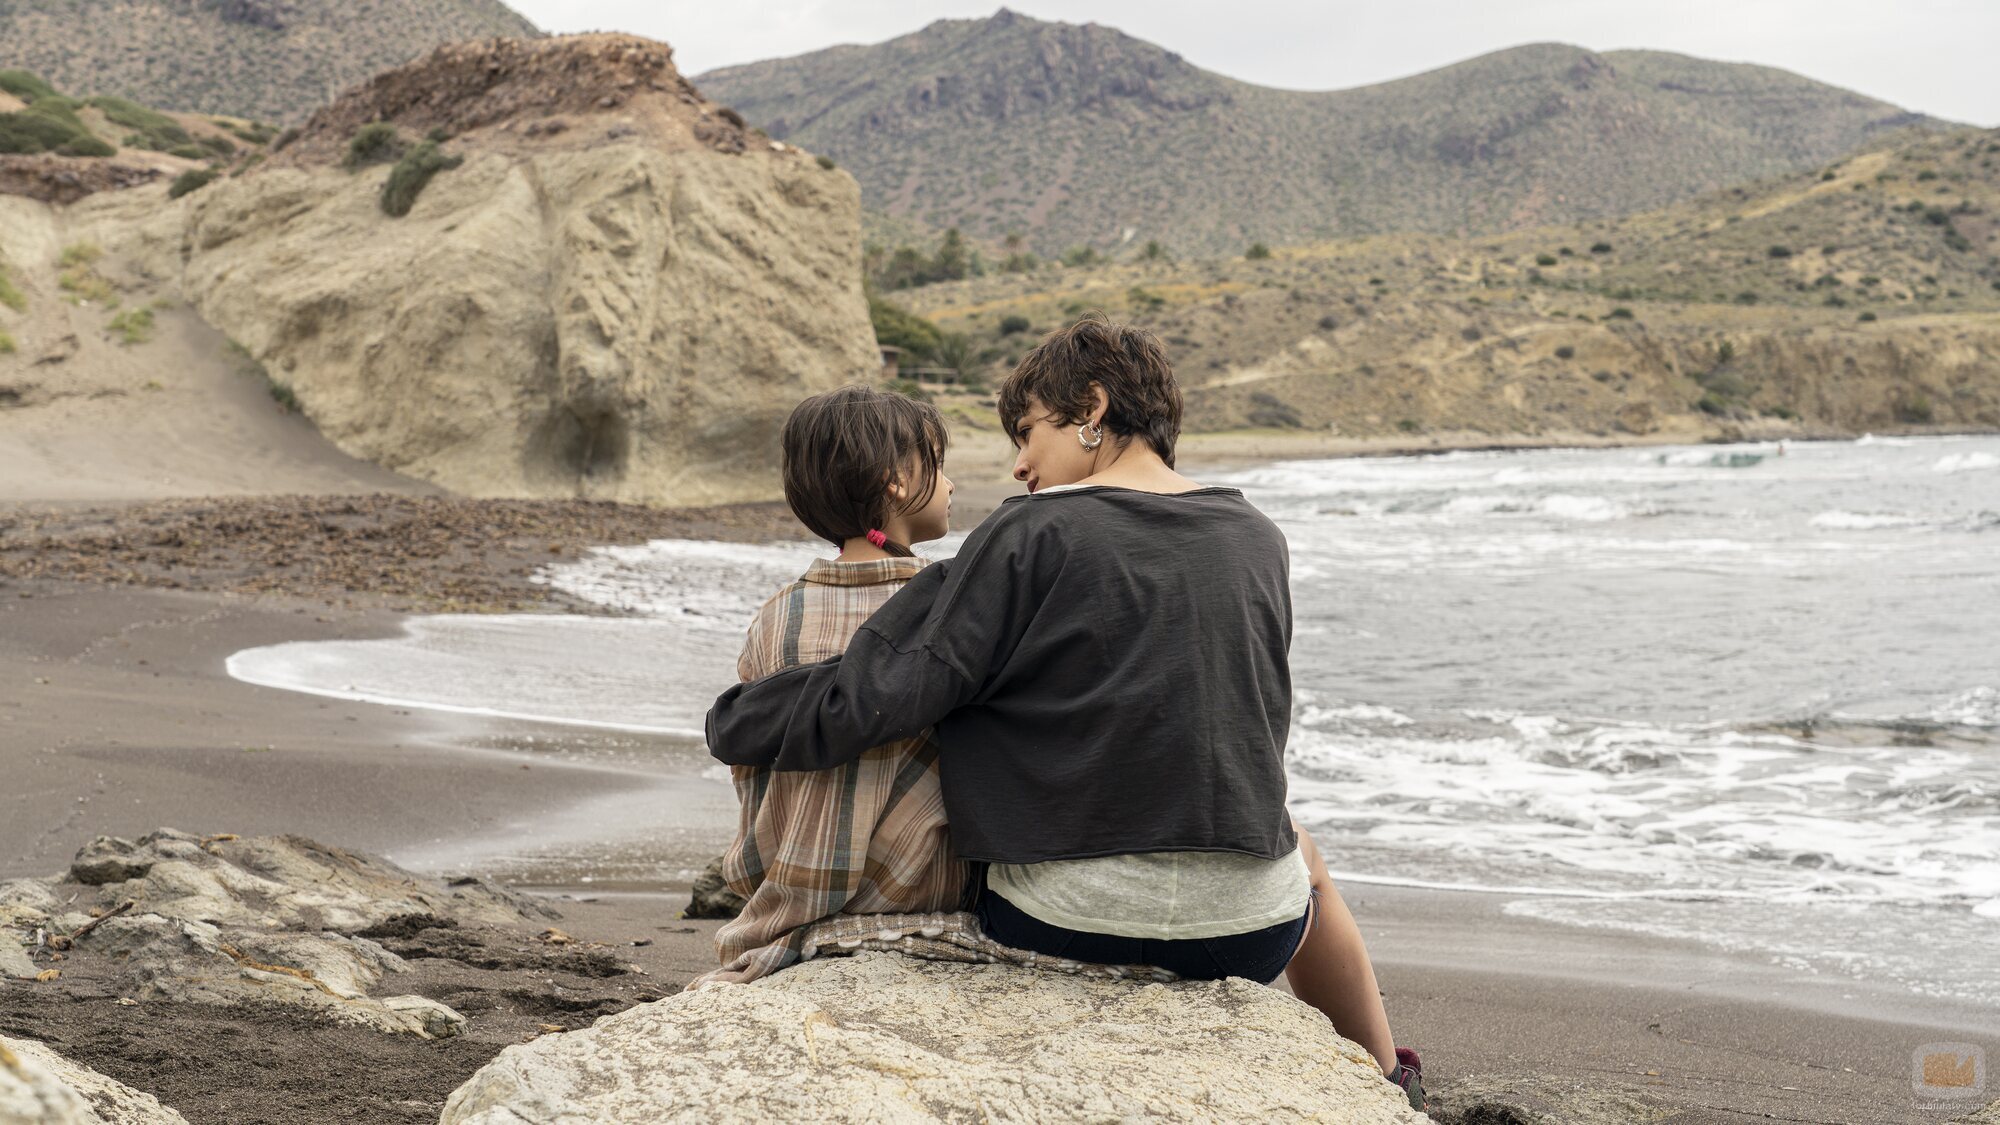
{"points": [[1101, 405]]}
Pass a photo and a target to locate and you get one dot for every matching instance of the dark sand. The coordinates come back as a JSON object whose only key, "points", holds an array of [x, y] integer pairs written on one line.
{"points": [[116, 717]]}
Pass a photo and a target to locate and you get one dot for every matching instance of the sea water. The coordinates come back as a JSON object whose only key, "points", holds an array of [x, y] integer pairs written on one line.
{"points": [[1744, 695]]}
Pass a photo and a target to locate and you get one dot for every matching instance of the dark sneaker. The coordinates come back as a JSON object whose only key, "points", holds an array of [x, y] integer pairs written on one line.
{"points": [[1409, 1076]]}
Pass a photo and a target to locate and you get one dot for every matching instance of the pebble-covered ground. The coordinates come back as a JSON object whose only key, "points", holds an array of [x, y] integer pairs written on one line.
{"points": [[428, 553]]}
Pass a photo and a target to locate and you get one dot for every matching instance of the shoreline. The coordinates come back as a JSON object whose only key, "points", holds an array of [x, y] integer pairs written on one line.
{"points": [[1507, 1010], [117, 716]]}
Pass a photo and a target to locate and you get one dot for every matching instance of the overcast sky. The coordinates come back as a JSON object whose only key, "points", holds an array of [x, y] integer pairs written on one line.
{"points": [[1935, 56]]}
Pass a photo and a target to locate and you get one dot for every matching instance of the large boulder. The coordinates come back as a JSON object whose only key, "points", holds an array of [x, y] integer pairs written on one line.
{"points": [[883, 1037], [227, 920], [619, 295], [40, 1087]]}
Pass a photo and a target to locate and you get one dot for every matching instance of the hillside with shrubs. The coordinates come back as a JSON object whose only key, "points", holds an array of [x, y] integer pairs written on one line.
{"points": [[274, 60], [1082, 137], [1861, 294]]}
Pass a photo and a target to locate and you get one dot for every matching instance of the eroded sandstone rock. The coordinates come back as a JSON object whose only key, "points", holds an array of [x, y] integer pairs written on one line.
{"points": [[40, 1087], [266, 920], [625, 308], [884, 1037]]}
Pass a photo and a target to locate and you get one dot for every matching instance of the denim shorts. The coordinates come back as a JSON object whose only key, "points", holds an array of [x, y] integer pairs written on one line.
{"points": [[1259, 955]]}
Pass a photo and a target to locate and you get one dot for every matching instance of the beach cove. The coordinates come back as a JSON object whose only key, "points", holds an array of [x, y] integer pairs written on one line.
{"points": [[1549, 880]]}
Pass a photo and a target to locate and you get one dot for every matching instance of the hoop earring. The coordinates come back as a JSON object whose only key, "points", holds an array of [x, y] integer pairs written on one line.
{"points": [[1095, 439]]}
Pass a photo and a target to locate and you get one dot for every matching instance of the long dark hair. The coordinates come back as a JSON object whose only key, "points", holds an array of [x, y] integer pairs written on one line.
{"points": [[844, 448]]}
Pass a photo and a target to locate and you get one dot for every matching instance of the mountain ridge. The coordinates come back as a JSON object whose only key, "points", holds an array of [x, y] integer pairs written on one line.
{"points": [[274, 60], [1076, 134]]}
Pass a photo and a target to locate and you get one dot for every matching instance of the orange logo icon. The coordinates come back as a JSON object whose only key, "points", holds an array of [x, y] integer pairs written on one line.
{"points": [[1948, 1070], [1945, 1069]]}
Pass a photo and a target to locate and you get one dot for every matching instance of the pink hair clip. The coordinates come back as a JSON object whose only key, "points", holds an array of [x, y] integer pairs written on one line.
{"points": [[876, 537]]}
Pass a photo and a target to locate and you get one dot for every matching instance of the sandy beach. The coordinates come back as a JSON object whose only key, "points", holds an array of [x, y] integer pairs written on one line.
{"points": [[116, 717]]}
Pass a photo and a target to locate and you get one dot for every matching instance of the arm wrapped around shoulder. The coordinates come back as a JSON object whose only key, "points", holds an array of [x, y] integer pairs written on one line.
{"points": [[928, 651], [817, 716]]}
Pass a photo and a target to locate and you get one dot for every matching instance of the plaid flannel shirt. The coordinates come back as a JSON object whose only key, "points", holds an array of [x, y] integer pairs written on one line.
{"points": [[869, 837]]}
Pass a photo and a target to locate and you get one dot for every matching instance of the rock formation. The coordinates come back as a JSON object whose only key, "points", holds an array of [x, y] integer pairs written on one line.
{"points": [[885, 1037], [40, 1087], [619, 295], [222, 920]]}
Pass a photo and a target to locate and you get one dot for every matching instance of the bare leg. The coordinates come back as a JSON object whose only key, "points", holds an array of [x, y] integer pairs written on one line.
{"points": [[1331, 970]]}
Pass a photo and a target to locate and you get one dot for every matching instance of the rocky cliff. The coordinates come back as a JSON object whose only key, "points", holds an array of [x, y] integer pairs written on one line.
{"points": [[617, 294]]}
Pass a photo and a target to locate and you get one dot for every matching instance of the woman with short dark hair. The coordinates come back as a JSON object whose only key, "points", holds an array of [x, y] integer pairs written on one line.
{"points": [[1106, 666]]}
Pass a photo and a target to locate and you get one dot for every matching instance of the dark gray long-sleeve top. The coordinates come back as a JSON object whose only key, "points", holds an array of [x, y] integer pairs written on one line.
{"points": [[1107, 671]]}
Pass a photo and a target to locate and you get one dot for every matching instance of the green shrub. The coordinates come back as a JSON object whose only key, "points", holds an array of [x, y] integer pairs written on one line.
{"points": [[898, 327], [1545, 259], [1619, 313], [1709, 404], [133, 326], [1926, 174], [1009, 325], [1600, 248], [6, 344], [910, 388], [1081, 256], [1153, 251], [156, 130], [1780, 251], [407, 179], [251, 132], [954, 350], [376, 143], [281, 393], [80, 254], [50, 124], [11, 297], [1565, 352], [826, 162], [1865, 317], [1914, 409], [25, 85], [1268, 411], [83, 284], [1746, 298], [218, 144], [194, 179], [1408, 425], [1257, 252], [1144, 298], [1937, 216], [188, 152], [28, 133]]}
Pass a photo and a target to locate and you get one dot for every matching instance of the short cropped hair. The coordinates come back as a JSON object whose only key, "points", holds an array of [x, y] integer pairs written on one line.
{"points": [[842, 449], [1138, 382]]}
